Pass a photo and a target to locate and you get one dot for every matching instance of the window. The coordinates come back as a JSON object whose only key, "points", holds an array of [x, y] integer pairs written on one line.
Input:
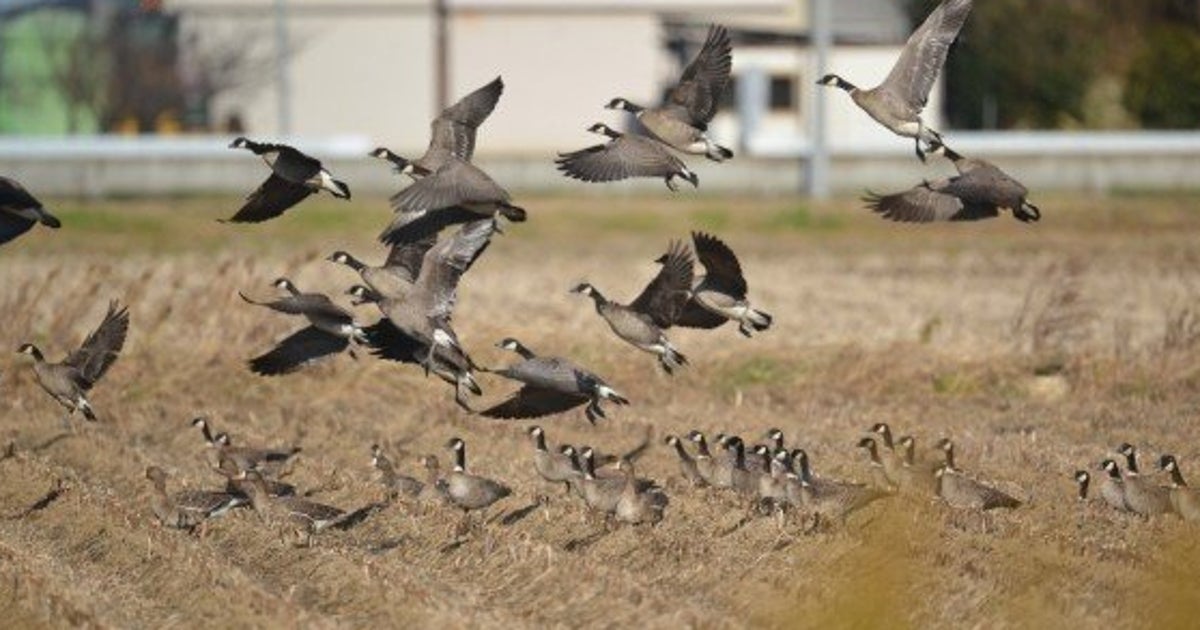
{"points": [[782, 94]]}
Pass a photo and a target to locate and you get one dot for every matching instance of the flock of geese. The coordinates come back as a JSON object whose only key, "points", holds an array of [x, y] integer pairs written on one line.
{"points": [[414, 292]]}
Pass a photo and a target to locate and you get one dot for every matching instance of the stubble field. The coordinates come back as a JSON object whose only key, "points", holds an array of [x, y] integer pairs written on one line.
{"points": [[1038, 348]]}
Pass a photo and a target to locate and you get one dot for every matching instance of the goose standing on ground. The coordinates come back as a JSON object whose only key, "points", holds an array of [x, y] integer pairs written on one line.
{"points": [[978, 192], [270, 462], [1142, 496], [960, 491], [720, 294], [469, 492], [187, 509], [70, 381], [294, 176], [687, 464], [1112, 489], [622, 157], [452, 133], [20, 211], [551, 385], [416, 325], [396, 484], [705, 464], [681, 121], [553, 467], [643, 321], [636, 506], [1184, 499], [330, 331], [898, 101], [307, 517]]}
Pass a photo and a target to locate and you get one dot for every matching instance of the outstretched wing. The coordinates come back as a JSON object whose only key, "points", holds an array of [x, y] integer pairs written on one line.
{"points": [[720, 264], [622, 158], [705, 80], [923, 204], [270, 200], [446, 263], [101, 348], [455, 183], [454, 130], [665, 297], [298, 350], [925, 53]]}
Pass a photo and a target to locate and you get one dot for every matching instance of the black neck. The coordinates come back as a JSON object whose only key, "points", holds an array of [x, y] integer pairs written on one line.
{"points": [[1131, 462], [805, 471], [525, 353], [36, 354], [540, 441], [1177, 477], [460, 458], [702, 447], [950, 457], [874, 452], [886, 434], [683, 454], [589, 463]]}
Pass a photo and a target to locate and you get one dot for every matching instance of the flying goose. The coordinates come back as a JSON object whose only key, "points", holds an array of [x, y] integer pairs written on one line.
{"points": [[418, 321], [19, 211], [457, 192], [1142, 496], [397, 273], [294, 176], [551, 385], [187, 509], [642, 322], [622, 157], [978, 192], [1184, 499], [681, 121], [69, 382], [897, 102], [720, 294], [962, 492], [452, 133], [331, 329]]}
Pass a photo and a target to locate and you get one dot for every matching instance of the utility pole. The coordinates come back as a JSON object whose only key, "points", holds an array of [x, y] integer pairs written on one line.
{"points": [[820, 26], [283, 83], [441, 19]]}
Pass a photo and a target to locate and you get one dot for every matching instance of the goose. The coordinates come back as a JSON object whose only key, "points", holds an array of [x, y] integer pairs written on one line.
{"points": [[830, 498], [879, 477], [960, 491], [452, 133], [1112, 489], [187, 509], [1184, 499], [1142, 496], [642, 322], [688, 466], [602, 491], [294, 176], [742, 480], [396, 274], [70, 381], [705, 464], [720, 294], [553, 467], [892, 461], [914, 475], [551, 385], [978, 192], [419, 320], [396, 484], [270, 462], [457, 192], [469, 492], [638, 506], [20, 211], [330, 331], [681, 121], [622, 157], [897, 102], [308, 517], [772, 482]]}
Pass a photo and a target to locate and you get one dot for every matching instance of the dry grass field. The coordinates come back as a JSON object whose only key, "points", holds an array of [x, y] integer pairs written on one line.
{"points": [[1038, 349]]}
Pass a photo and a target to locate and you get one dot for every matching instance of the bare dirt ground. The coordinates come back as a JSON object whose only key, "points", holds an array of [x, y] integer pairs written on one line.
{"points": [[1037, 348]]}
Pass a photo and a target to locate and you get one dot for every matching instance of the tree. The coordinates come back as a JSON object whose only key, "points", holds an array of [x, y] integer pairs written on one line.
{"points": [[1163, 85]]}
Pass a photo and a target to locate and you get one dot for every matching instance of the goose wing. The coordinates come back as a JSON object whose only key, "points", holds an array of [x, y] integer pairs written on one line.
{"points": [[13, 198], [704, 81], [696, 316], [409, 227], [455, 183], [622, 158], [721, 266], [101, 348], [926, 204], [12, 225], [445, 264], [408, 257], [667, 295], [390, 343], [270, 200], [298, 350], [453, 131], [925, 53]]}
